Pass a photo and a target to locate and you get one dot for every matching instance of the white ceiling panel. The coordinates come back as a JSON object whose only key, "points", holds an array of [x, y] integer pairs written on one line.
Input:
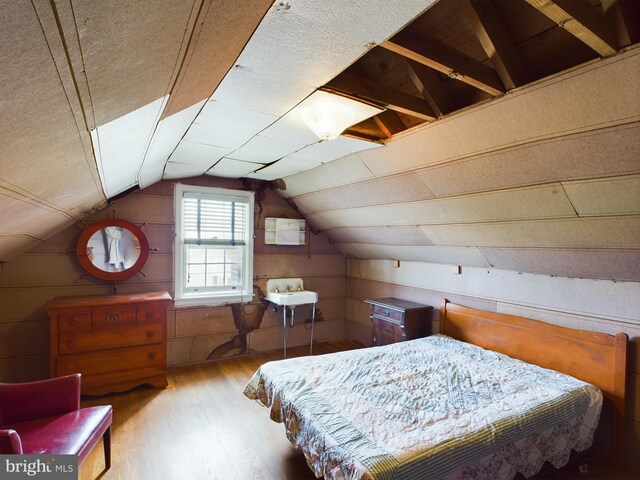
{"points": [[120, 146], [291, 125], [327, 151], [228, 167], [175, 170], [266, 150], [197, 154], [167, 135], [283, 168], [227, 126]]}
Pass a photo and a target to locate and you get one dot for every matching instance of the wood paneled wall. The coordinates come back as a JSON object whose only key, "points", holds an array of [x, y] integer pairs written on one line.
{"points": [[595, 305], [50, 269]]}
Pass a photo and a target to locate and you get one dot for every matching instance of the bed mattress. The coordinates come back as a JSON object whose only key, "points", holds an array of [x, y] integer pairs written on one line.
{"points": [[432, 408]]}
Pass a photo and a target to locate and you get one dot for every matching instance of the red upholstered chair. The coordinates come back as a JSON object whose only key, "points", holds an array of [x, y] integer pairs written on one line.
{"points": [[45, 417]]}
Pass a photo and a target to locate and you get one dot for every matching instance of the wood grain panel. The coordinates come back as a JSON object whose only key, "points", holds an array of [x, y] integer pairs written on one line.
{"points": [[359, 333], [547, 201], [470, 256], [13, 245], [386, 235], [27, 338], [623, 265], [284, 266], [339, 172], [607, 232], [186, 350], [610, 196], [139, 208], [203, 321], [394, 189], [603, 152]]}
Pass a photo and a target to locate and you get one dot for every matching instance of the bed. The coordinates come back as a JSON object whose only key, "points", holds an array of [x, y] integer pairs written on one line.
{"points": [[455, 405]]}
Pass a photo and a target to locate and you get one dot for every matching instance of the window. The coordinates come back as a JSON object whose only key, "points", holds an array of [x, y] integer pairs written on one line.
{"points": [[213, 246]]}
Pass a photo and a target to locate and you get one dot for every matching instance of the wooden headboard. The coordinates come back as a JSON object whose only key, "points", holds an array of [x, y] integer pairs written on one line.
{"points": [[596, 358]]}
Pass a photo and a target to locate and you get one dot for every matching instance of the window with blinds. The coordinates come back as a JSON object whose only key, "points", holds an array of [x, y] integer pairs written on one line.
{"points": [[214, 236]]}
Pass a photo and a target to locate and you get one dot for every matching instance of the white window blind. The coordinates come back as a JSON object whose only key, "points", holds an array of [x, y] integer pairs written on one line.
{"points": [[214, 228], [214, 221]]}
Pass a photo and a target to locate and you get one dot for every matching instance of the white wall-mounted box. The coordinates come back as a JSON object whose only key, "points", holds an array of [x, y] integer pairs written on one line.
{"points": [[284, 231]]}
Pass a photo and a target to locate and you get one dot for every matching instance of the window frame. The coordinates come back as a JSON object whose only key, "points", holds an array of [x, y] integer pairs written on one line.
{"points": [[210, 298]]}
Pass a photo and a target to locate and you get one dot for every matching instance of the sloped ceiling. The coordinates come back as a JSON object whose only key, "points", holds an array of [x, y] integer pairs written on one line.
{"points": [[517, 166]]}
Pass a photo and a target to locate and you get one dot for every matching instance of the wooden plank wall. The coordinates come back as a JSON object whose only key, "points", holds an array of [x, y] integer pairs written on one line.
{"points": [[50, 270]]}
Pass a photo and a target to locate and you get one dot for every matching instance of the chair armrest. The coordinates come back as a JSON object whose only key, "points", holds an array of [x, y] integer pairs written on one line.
{"points": [[20, 402], [10, 442]]}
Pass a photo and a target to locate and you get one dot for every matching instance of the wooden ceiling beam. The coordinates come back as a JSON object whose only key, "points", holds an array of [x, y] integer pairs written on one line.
{"points": [[359, 87], [581, 20], [351, 133], [495, 41], [445, 59], [431, 87], [390, 123]]}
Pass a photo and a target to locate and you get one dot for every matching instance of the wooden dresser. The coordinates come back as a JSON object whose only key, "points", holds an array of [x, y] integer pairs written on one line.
{"points": [[395, 320], [115, 341]]}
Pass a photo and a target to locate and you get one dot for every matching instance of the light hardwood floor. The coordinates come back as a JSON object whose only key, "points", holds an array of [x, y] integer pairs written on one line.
{"points": [[202, 427]]}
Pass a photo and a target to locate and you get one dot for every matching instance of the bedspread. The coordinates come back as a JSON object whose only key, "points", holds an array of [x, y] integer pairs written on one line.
{"points": [[428, 408]]}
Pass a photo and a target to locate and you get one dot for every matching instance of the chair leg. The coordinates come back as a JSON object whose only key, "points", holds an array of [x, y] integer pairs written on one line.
{"points": [[106, 442]]}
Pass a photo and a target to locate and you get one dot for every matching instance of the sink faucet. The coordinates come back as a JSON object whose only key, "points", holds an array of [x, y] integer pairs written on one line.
{"points": [[277, 290], [289, 288], [300, 287]]}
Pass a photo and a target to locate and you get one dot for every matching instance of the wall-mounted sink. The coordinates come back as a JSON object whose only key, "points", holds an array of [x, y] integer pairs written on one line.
{"points": [[289, 292], [291, 299]]}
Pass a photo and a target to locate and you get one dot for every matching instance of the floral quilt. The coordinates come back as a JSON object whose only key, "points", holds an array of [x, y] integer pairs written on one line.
{"points": [[432, 408]]}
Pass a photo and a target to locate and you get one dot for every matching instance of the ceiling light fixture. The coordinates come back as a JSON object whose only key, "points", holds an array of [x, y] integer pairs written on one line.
{"points": [[328, 115]]}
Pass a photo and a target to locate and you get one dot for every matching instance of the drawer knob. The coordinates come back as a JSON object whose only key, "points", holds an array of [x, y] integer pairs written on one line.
{"points": [[69, 366], [73, 321], [113, 317], [386, 314], [150, 333], [148, 315], [151, 355], [71, 342]]}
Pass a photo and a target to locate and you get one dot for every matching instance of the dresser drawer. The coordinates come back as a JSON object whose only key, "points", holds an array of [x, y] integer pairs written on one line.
{"points": [[385, 313], [113, 337], [104, 361], [74, 321], [149, 314], [112, 317]]}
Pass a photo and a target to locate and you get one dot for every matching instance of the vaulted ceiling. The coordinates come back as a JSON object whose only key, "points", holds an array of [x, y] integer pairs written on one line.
{"points": [[509, 136]]}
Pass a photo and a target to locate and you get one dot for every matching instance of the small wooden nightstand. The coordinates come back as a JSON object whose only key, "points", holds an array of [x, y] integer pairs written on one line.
{"points": [[396, 320]]}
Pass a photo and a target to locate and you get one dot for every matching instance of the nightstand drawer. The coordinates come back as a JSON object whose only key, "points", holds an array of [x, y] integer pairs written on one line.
{"points": [[387, 313]]}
